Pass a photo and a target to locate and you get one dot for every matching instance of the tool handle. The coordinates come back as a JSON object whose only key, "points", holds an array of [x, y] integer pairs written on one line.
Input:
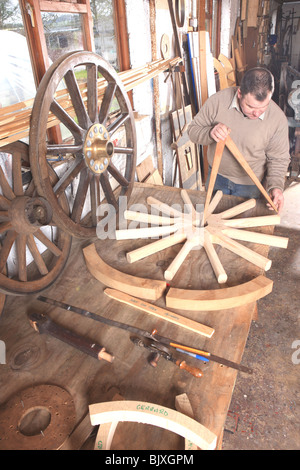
{"points": [[192, 370], [45, 325], [105, 355]]}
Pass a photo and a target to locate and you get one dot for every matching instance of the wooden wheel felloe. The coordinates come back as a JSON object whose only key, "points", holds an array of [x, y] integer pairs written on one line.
{"points": [[98, 139], [25, 229]]}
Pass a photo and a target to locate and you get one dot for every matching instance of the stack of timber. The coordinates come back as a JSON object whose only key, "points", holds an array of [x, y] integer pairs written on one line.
{"points": [[202, 66], [251, 34], [15, 119]]}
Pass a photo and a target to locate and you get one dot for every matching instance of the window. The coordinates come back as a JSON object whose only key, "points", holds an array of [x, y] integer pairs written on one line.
{"points": [[16, 78], [104, 31], [63, 33]]}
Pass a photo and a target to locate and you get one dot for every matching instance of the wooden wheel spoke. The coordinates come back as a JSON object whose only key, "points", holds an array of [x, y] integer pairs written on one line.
{"points": [[6, 247], [95, 197], [243, 251], [85, 178], [69, 176], [66, 119], [63, 149], [4, 203], [117, 175], [108, 192], [77, 100], [92, 92], [17, 174], [6, 189], [4, 226], [107, 101], [119, 121], [4, 215], [36, 255], [48, 243], [21, 256]]}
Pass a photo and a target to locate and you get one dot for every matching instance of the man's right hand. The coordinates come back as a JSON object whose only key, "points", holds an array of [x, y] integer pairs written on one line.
{"points": [[219, 132]]}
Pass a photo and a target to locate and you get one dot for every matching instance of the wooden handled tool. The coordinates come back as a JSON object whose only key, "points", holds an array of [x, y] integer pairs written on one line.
{"points": [[161, 351], [44, 324], [153, 336]]}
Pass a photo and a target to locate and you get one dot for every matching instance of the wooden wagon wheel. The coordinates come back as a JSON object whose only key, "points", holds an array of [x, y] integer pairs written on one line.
{"points": [[100, 145], [25, 229]]}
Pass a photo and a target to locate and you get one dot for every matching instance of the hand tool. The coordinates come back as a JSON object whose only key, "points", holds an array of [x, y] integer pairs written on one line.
{"points": [[44, 324], [206, 356], [161, 351], [152, 336]]}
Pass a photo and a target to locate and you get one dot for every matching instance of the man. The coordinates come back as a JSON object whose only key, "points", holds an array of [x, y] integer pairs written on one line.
{"points": [[257, 126]]}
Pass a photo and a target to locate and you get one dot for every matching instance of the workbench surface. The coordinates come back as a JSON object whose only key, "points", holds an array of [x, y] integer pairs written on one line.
{"points": [[130, 375]]}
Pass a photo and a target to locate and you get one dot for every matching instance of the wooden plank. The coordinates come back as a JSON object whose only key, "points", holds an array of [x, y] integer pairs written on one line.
{"points": [[252, 11], [160, 312], [187, 155], [145, 169]]}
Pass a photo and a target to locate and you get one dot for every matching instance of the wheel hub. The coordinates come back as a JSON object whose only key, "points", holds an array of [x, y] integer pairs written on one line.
{"points": [[98, 149], [28, 214]]}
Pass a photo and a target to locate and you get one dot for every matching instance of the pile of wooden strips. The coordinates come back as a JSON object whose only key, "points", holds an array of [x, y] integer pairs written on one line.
{"points": [[15, 119]]}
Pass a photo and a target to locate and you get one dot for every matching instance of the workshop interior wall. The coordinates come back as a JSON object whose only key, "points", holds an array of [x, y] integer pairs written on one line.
{"points": [[292, 12], [139, 36]]}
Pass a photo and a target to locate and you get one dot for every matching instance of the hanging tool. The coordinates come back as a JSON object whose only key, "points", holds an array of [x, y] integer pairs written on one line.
{"points": [[44, 324], [178, 50], [159, 350], [152, 336]]}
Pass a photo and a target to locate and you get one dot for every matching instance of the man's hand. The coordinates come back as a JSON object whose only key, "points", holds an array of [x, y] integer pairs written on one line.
{"points": [[219, 132], [277, 197]]}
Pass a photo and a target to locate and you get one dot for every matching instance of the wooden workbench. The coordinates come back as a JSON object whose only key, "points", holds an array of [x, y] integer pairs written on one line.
{"points": [[34, 359]]}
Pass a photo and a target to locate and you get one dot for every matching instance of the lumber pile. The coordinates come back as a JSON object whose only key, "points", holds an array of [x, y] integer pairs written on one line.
{"points": [[15, 119], [251, 34]]}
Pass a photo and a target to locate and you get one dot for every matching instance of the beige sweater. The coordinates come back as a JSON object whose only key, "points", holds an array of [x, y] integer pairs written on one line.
{"points": [[263, 142]]}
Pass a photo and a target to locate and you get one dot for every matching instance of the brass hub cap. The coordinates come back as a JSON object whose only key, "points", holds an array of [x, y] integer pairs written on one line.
{"points": [[98, 149]]}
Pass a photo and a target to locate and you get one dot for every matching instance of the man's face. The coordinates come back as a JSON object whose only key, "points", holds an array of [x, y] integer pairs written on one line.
{"points": [[252, 108]]}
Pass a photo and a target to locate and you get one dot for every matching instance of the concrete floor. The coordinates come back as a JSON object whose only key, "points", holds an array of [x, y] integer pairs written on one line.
{"points": [[265, 409]]}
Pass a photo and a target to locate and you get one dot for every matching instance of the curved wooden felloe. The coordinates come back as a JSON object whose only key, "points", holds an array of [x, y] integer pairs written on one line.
{"points": [[182, 299], [219, 299], [111, 277], [149, 413]]}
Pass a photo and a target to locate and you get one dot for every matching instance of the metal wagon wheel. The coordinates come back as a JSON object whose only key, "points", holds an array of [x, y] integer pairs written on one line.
{"points": [[98, 139], [33, 252]]}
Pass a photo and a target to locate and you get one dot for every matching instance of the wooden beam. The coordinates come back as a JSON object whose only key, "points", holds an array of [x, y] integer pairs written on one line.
{"points": [[160, 312]]}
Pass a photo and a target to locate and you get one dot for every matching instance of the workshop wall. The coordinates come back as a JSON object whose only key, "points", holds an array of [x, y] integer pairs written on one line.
{"points": [[291, 40], [139, 36]]}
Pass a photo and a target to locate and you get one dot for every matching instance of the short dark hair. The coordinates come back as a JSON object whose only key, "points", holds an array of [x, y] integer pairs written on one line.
{"points": [[259, 82]]}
